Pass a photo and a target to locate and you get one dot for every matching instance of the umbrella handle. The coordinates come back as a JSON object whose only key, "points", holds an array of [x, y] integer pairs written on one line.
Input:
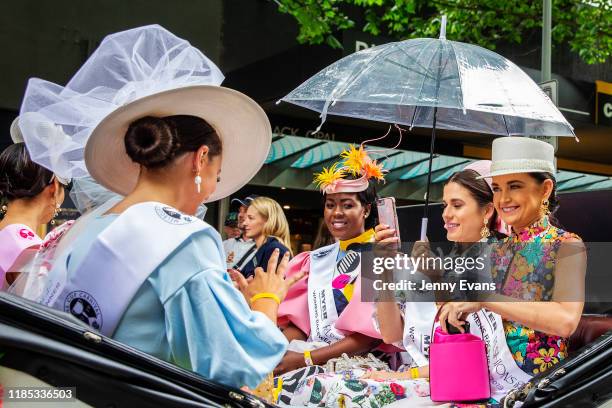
{"points": [[424, 228]]}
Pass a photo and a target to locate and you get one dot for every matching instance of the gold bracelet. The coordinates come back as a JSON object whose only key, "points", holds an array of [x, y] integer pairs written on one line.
{"points": [[308, 358], [266, 295], [414, 373]]}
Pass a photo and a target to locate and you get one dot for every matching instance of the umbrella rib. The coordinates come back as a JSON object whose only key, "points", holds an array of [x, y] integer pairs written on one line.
{"points": [[423, 82], [414, 59], [347, 83], [495, 72], [459, 75], [506, 124], [367, 68], [410, 69], [416, 107]]}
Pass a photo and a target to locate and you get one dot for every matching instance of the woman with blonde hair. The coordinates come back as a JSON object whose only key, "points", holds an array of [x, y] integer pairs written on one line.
{"points": [[267, 225]]}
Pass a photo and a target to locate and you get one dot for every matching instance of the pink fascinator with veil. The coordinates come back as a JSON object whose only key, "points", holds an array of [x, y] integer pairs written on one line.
{"points": [[483, 167]]}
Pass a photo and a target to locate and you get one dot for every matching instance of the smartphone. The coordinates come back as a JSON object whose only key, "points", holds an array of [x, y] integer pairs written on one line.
{"points": [[454, 330], [387, 214]]}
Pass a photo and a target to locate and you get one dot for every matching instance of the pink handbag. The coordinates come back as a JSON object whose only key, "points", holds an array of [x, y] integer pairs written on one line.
{"points": [[458, 369]]}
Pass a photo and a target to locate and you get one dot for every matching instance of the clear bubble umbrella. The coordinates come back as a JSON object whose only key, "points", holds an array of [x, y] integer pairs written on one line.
{"points": [[433, 83]]}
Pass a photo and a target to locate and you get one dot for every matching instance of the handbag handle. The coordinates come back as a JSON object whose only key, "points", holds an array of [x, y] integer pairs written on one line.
{"points": [[437, 316]]}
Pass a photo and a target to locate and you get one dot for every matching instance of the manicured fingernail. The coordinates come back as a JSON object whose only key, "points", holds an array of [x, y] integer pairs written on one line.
{"points": [[276, 250]]}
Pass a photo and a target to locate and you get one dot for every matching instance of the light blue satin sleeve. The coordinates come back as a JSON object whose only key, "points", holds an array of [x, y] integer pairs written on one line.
{"points": [[189, 313]]}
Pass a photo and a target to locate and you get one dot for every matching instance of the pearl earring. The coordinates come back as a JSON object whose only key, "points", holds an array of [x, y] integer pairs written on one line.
{"points": [[55, 214], [198, 182]]}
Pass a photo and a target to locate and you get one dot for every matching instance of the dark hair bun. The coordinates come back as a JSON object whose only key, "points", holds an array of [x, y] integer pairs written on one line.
{"points": [[20, 177], [150, 141]]}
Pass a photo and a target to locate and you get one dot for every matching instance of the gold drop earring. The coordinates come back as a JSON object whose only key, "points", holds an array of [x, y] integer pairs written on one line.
{"points": [[484, 231], [544, 208]]}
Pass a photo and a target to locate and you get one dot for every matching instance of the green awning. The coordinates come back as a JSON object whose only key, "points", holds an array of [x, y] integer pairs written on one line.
{"points": [[293, 160]]}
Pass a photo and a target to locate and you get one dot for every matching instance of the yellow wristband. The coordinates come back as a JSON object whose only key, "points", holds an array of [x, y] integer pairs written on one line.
{"points": [[308, 358], [414, 372], [266, 295]]}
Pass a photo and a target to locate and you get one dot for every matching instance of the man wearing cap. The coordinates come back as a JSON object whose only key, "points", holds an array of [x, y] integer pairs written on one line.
{"points": [[230, 226], [240, 250]]}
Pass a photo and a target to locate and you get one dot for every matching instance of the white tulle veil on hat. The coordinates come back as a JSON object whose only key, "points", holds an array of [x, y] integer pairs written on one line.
{"points": [[125, 67], [135, 73]]}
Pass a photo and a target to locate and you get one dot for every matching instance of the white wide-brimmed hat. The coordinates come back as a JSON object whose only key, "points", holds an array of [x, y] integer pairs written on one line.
{"points": [[521, 155], [135, 73], [239, 121]]}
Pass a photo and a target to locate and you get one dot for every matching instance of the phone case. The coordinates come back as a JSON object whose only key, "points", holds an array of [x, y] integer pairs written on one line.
{"points": [[387, 213]]}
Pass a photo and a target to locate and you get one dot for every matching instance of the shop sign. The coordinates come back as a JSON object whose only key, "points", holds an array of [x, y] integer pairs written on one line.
{"points": [[603, 101], [296, 131]]}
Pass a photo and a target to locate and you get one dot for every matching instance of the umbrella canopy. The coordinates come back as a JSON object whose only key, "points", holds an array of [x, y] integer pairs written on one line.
{"points": [[474, 89], [433, 83]]}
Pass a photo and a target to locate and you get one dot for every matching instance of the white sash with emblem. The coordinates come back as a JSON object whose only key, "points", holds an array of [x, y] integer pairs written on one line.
{"points": [[321, 303], [504, 374], [118, 262]]}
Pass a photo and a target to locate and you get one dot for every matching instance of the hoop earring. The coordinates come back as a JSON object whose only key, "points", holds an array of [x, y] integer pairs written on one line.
{"points": [[198, 182], [484, 231], [544, 208], [3, 209], [56, 213]]}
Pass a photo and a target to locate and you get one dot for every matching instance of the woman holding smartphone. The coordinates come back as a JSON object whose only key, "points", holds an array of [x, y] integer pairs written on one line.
{"points": [[469, 217], [539, 263], [323, 316]]}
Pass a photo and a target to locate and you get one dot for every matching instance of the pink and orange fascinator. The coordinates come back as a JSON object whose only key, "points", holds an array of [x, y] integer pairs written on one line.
{"points": [[356, 164]]}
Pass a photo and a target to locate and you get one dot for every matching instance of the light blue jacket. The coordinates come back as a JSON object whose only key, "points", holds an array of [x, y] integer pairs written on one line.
{"points": [[189, 313]]}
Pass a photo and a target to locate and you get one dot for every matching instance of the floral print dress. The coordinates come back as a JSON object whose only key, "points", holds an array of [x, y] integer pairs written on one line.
{"points": [[523, 267]]}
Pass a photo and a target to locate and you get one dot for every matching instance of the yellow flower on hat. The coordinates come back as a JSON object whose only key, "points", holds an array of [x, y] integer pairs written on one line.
{"points": [[355, 159], [328, 176]]}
